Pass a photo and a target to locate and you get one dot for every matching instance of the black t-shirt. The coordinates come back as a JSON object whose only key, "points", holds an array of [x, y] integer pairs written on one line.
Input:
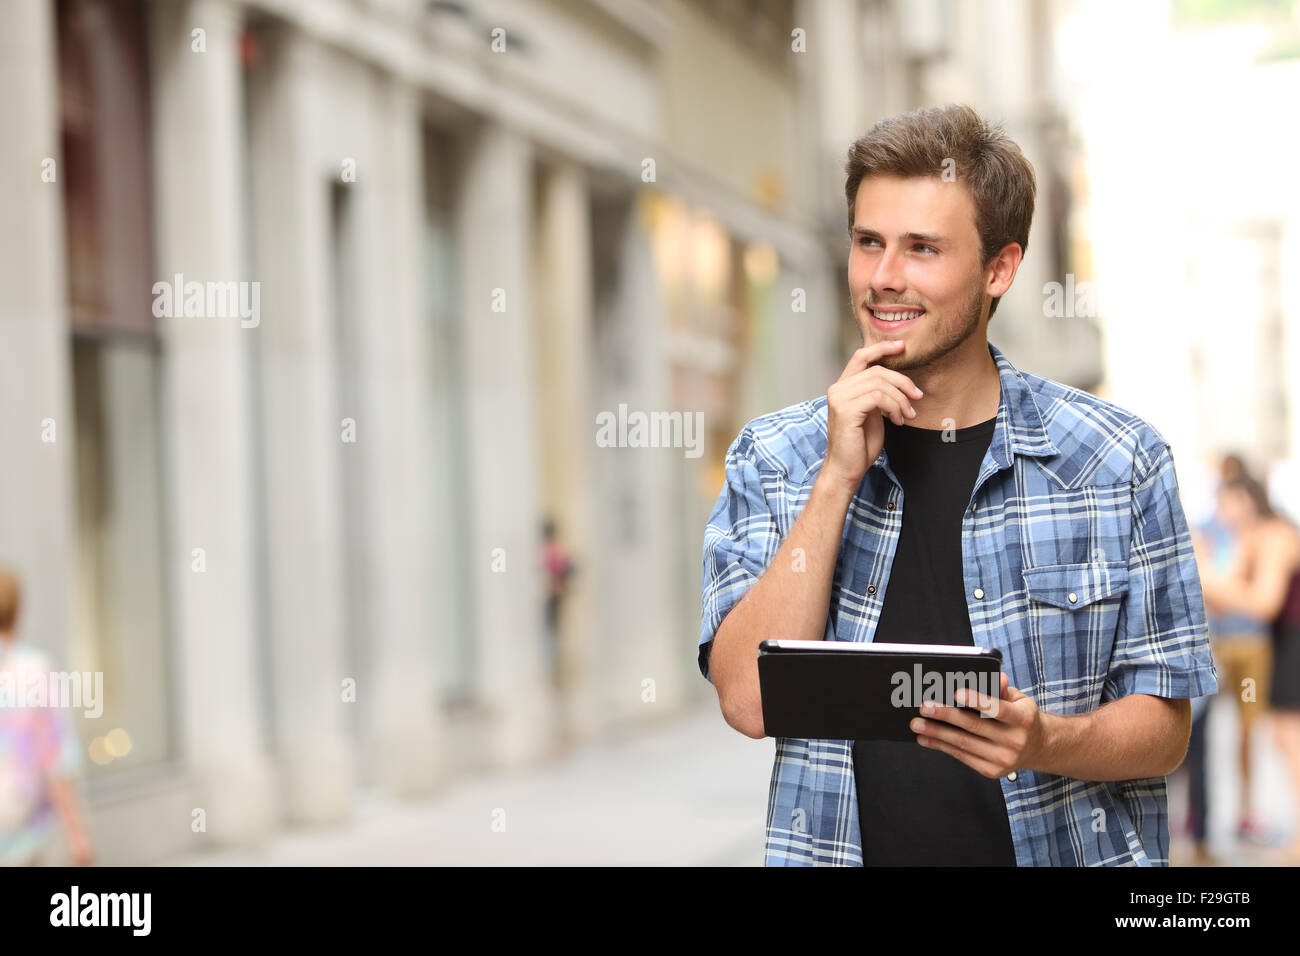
{"points": [[920, 807]]}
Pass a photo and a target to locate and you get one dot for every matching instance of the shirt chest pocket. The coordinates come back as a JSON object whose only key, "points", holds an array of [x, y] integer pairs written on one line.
{"points": [[1072, 615]]}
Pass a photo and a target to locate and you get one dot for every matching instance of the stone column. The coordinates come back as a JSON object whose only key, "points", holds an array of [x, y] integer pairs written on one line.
{"points": [[301, 435], [394, 432], [197, 134], [642, 633], [36, 503], [505, 541], [566, 425]]}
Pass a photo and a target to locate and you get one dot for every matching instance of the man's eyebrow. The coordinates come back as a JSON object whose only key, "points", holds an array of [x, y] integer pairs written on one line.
{"points": [[913, 236]]}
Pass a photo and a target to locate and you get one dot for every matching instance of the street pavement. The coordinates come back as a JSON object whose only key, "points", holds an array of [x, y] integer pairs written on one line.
{"points": [[685, 792], [691, 792]]}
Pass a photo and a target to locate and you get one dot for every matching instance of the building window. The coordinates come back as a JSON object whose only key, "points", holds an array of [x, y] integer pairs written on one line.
{"points": [[119, 611], [449, 399]]}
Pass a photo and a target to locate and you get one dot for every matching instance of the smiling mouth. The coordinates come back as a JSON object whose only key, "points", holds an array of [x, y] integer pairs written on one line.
{"points": [[905, 316]]}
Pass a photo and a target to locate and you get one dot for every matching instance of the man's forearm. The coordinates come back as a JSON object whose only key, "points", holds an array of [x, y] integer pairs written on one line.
{"points": [[1132, 738], [789, 602]]}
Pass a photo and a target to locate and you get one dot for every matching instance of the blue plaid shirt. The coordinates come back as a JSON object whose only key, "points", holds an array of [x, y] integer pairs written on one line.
{"points": [[1077, 565]]}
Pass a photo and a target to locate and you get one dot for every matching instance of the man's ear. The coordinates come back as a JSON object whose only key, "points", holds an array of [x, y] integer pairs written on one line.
{"points": [[1001, 270]]}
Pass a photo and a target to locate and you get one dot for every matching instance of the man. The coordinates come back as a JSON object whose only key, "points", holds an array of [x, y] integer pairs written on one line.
{"points": [[936, 494]]}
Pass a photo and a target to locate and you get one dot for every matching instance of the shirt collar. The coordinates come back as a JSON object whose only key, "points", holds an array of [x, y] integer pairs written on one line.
{"points": [[1019, 429]]}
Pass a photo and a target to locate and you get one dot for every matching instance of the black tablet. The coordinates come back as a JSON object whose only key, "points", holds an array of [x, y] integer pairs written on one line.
{"points": [[841, 690]]}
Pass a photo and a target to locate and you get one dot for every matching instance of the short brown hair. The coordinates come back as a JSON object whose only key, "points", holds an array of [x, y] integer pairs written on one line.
{"points": [[11, 593], [927, 142]]}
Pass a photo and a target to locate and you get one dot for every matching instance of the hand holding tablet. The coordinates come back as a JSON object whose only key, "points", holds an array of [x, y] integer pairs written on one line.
{"points": [[840, 690]]}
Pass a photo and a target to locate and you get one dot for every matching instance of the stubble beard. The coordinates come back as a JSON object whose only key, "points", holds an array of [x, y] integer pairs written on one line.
{"points": [[941, 347]]}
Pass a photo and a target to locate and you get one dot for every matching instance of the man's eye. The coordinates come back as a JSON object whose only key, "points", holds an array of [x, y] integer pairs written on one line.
{"points": [[927, 248], [864, 240]]}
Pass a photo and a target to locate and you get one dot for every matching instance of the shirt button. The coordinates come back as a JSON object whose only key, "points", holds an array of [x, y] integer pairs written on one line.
{"points": [[1073, 597], [890, 506], [1011, 775], [871, 589], [979, 592]]}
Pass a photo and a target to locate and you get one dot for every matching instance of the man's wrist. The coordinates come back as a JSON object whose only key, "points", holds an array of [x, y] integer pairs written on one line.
{"points": [[1058, 737], [838, 489]]}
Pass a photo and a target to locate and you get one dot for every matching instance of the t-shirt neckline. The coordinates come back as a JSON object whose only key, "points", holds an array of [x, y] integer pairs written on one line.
{"points": [[911, 433]]}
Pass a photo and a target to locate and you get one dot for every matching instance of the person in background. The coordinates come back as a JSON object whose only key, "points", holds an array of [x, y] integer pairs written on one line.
{"points": [[39, 753], [1210, 539], [1284, 701], [1232, 467], [559, 567], [1244, 591]]}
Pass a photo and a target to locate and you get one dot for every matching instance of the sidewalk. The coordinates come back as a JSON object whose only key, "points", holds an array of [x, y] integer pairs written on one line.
{"points": [[690, 793]]}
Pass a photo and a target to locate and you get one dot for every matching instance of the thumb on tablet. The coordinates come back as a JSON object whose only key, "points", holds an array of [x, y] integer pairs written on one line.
{"points": [[1009, 692]]}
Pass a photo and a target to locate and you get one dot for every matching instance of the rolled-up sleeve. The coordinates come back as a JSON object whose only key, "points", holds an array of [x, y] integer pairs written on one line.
{"points": [[740, 540], [1162, 646]]}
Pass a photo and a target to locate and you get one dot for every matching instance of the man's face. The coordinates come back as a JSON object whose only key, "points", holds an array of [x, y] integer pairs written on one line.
{"points": [[916, 250]]}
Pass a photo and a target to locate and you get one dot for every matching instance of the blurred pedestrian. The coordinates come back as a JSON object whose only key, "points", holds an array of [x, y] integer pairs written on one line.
{"points": [[1285, 698], [39, 753], [1244, 590], [1214, 542], [1198, 795], [1231, 467], [559, 567]]}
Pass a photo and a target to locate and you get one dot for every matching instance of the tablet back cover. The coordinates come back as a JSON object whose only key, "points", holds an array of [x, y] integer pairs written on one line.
{"points": [[854, 695]]}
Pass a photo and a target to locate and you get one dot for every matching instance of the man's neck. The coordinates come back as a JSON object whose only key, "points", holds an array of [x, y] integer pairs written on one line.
{"points": [[960, 391]]}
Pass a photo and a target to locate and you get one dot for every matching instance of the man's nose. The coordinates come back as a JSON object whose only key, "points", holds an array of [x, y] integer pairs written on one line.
{"points": [[888, 274]]}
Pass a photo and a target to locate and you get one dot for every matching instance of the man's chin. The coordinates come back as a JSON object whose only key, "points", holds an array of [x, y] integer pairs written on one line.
{"points": [[899, 362]]}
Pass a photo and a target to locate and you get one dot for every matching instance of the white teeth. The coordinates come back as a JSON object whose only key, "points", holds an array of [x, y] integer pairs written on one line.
{"points": [[894, 316]]}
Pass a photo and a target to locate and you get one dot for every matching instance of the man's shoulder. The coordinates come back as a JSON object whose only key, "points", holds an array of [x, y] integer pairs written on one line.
{"points": [[789, 441], [1098, 441]]}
